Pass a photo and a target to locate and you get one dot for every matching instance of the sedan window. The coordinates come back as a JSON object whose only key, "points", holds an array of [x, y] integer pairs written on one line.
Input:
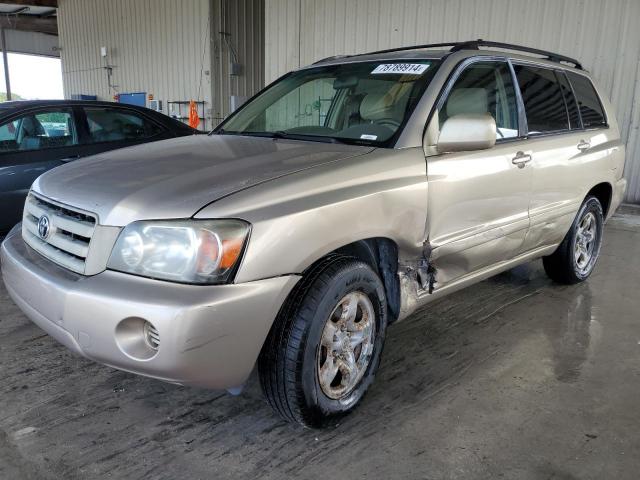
{"points": [[37, 131], [110, 125]]}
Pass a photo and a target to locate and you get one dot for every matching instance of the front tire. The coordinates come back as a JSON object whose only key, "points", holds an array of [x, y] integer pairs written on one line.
{"points": [[576, 257], [324, 348]]}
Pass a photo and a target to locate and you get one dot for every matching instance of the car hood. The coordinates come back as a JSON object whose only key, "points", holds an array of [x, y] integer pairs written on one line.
{"points": [[176, 178]]}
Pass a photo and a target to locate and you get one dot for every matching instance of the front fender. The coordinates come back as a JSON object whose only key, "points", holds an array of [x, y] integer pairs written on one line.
{"points": [[299, 218]]}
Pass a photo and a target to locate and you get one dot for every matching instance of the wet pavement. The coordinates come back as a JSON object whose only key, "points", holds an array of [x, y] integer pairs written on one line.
{"points": [[515, 377]]}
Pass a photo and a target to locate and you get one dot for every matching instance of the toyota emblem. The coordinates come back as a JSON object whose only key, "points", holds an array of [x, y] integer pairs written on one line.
{"points": [[44, 227]]}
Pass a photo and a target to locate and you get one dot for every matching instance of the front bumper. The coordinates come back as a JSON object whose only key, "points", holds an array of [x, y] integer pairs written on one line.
{"points": [[210, 336]]}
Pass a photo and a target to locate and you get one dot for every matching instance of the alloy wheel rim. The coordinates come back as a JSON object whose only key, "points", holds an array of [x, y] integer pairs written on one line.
{"points": [[585, 243], [346, 345]]}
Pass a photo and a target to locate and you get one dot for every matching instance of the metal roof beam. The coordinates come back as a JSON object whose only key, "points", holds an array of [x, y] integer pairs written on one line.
{"points": [[33, 3], [30, 23]]}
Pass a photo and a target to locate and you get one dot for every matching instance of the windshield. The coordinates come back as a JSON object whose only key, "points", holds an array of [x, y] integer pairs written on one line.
{"points": [[364, 103]]}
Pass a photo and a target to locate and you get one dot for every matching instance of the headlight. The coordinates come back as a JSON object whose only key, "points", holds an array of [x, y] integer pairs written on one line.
{"points": [[188, 251]]}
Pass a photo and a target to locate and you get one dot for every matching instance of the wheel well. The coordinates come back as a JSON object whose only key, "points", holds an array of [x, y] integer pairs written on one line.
{"points": [[603, 192], [381, 254]]}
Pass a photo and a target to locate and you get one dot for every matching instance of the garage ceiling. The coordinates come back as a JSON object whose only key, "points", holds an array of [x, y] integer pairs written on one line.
{"points": [[30, 15]]}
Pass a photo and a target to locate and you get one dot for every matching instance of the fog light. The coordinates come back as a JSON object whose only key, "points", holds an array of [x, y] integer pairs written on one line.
{"points": [[151, 335], [137, 338]]}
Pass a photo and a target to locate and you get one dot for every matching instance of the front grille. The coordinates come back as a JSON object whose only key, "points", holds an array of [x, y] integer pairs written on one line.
{"points": [[69, 232]]}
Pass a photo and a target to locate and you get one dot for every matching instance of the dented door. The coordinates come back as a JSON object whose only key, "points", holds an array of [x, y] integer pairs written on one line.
{"points": [[477, 211]]}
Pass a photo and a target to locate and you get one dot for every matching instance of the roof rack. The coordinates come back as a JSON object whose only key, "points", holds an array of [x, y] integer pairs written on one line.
{"points": [[390, 50], [554, 57], [468, 45], [332, 57]]}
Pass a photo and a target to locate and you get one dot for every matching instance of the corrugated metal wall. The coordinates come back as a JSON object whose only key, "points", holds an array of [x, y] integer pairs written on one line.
{"points": [[238, 37], [603, 34], [156, 46], [169, 48]]}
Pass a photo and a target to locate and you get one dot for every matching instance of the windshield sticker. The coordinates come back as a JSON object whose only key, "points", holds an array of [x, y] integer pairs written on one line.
{"points": [[368, 137], [402, 68]]}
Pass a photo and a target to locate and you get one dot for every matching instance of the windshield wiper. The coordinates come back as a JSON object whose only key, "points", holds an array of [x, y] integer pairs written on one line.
{"points": [[301, 136], [281, 134]]}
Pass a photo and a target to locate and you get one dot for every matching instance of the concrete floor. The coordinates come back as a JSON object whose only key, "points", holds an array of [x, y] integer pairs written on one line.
{"points": [[514, 378]]}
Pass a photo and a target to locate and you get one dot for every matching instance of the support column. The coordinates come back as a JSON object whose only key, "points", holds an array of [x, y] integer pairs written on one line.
{"points": [[5, 59]]}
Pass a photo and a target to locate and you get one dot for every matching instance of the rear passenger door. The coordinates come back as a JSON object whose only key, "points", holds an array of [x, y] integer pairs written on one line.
{"points": [[561, 152], [109, 128], [30, 144]]}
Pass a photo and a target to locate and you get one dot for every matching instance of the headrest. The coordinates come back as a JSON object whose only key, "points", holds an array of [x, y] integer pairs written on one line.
{"points": [[32, 127], [376, 106], [467, 100]]}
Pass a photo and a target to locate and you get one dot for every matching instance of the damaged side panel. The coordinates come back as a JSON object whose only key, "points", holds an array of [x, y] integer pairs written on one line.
{"points": [[300, 218], [416, 279]]}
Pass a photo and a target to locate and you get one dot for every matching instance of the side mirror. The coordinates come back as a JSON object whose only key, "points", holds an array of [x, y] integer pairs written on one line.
{"points": [[466, 132]]}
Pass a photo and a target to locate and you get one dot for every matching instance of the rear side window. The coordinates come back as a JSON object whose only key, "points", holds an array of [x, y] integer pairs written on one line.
{"points": [[543, 99], [570, 100], [111, 125], [588, 101]]}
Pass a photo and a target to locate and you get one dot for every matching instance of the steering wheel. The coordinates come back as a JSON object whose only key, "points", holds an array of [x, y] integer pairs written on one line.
{"points": [[388, 122]]}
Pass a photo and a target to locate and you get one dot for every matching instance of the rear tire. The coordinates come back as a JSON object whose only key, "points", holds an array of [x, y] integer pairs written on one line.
{"points": [[575, 258], [323, 350]]}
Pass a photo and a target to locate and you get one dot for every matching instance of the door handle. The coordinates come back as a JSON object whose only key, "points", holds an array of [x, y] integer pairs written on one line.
{"points": [[584, 146], [521, 159]]}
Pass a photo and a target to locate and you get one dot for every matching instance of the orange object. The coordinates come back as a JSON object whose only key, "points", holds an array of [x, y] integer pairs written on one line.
{"points": [[194, 118], [231, 251]]}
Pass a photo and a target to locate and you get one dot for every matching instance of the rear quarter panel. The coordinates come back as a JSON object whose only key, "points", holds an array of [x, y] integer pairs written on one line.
{"points": [[618, 153]]}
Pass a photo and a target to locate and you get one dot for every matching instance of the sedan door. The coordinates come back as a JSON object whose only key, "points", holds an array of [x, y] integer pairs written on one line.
{"points": [[30, 144], [477, 210]]}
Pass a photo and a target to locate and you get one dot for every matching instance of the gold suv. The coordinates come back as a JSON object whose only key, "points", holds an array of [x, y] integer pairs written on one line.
{"points": [[334, 203]]}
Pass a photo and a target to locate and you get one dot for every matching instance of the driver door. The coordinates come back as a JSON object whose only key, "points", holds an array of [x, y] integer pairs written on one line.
{"points": [[477, 211]]}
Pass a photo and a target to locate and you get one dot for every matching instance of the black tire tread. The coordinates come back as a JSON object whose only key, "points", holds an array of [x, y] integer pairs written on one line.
{"points": [[558, 265], [280, 362]]}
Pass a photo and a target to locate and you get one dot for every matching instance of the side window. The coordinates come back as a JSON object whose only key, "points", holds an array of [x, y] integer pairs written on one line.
{"points": [[37, 131], [111, 125], [570, 100], [484, 87], [9, 135], [588, 101], [543, 100]]}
